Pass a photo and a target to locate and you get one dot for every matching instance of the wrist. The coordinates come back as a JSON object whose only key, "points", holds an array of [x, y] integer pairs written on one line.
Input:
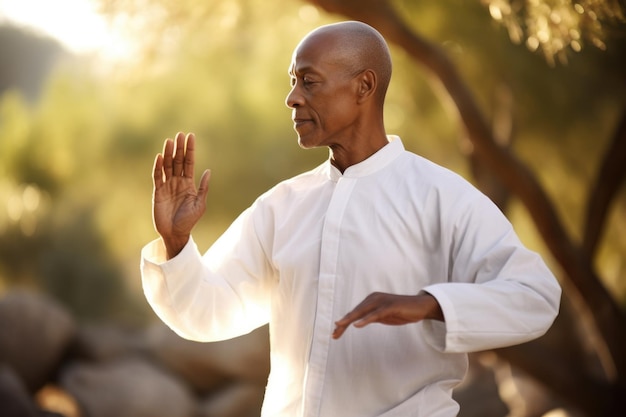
{"points": [[434, 311], [174, 245]]}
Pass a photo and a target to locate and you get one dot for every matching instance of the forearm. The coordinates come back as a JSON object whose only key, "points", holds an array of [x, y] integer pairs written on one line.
{"points": [[431, 306], [196, 301], [174, 245]]}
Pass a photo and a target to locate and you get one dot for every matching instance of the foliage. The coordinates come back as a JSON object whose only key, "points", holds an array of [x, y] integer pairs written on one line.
{"points": [[218, 68], [75, 164], [556, 26], [499, 171]]}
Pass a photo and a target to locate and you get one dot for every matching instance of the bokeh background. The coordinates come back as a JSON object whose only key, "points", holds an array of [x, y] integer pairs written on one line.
{"points": [[90, 89]]}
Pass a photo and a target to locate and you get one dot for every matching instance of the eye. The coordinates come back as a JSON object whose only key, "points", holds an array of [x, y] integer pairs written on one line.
{"points": [[308, 81]]}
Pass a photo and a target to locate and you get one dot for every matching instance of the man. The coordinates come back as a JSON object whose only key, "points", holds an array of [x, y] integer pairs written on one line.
{"points": [[374, 237]]}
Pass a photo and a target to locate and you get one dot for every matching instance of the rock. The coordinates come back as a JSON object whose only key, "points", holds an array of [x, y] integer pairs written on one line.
{"points": [[129, 387], [524, 396], [36, 332], [236, 400], [208, 366], [15, 400], [478, 394], [107, 341]]}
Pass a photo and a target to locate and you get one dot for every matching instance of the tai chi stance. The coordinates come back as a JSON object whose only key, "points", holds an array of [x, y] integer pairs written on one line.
{"points": [[420, 262]]}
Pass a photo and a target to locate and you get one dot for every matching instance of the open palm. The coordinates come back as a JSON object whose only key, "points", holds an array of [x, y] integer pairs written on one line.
{"points": [[177, 204]]}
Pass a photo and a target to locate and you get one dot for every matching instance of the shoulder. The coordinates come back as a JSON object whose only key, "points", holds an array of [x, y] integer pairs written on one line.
{"points": [[454, 194], [304, 183], [431, 175]]}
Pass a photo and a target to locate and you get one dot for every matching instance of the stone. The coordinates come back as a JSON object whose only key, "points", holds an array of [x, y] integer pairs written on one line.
{"points": [[15, 400], [36, 333], [209, 366], [129, 387], [101, 342], [235, 400]]}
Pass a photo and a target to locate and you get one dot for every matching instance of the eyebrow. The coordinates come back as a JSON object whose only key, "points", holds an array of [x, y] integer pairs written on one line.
{"points": [[306, 69]]}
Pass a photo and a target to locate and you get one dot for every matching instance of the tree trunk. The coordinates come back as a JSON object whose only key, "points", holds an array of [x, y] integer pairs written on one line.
{"points": [[580, 280]]}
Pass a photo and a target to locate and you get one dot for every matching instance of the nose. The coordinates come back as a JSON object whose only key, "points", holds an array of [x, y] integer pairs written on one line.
{"points": [[294, 98]]}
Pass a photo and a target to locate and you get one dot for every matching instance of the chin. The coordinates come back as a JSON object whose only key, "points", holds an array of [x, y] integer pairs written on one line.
{"points": [[304, 144]]}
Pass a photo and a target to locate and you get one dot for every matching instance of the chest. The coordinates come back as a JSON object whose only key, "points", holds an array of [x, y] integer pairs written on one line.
{"points": [[385, 238]]}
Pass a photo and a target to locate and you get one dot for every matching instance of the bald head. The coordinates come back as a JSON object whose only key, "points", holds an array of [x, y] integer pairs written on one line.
{"points": [[356, 46]]}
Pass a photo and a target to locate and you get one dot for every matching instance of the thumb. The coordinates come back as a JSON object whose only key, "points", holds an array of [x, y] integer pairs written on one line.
{"points": [[203, 188]]}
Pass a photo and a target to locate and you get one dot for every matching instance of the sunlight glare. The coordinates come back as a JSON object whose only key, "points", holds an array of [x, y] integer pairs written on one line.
{"points": [[308, 14], [76, 24]]}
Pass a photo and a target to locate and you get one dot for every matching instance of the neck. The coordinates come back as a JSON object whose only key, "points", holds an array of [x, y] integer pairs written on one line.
{"points": [[356, 151]]}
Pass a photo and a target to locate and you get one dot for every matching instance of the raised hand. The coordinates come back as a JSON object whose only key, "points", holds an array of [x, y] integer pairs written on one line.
{"points": [[176, 204], [390, 309]]}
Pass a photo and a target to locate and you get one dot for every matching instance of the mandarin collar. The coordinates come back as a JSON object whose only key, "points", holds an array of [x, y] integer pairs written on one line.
{"points": [[377, 161]]}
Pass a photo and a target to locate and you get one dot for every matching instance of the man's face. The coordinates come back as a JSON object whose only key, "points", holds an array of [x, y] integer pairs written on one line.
{"points": [[323, 94]]}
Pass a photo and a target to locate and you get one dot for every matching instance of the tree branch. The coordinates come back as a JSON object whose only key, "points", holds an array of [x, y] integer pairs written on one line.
{"points": [[578, 267], [610, 177]]}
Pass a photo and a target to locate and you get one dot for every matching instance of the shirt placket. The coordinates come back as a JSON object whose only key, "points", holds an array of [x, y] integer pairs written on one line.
{"points": [[324, 321]]}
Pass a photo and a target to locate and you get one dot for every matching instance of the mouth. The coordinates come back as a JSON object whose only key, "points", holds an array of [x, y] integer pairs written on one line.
{"points": [[299, 122]]}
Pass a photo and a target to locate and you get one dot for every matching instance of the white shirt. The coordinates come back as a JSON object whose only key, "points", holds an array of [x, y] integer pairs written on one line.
{"points": [[310, 249]]}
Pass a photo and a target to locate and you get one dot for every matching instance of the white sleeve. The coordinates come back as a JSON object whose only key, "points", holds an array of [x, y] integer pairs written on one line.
{"points": [[499, 293], [218, 296]]}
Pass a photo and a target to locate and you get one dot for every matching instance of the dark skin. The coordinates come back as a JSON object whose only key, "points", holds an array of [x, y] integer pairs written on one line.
{"points": [[176, 203], [333, 100], [334, 104], [390, 309]]}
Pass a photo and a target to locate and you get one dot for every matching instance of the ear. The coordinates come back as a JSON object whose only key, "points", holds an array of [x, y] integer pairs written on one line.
{"points": [[366, 86]]}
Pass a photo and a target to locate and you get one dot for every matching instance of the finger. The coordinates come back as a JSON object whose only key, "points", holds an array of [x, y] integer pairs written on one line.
{"points": [[189, 160], [168, 151], [179, 155], [157, 171], [339, 331], [372, 317], [358, 312], [356, 315], [342, 325], [203, 188]]}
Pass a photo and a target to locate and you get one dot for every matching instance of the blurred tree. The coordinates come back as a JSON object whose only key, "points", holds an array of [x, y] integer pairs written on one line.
{"points": [[550, 27], [49, 236], [75, 166], [26, 60], [556, 29]]}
